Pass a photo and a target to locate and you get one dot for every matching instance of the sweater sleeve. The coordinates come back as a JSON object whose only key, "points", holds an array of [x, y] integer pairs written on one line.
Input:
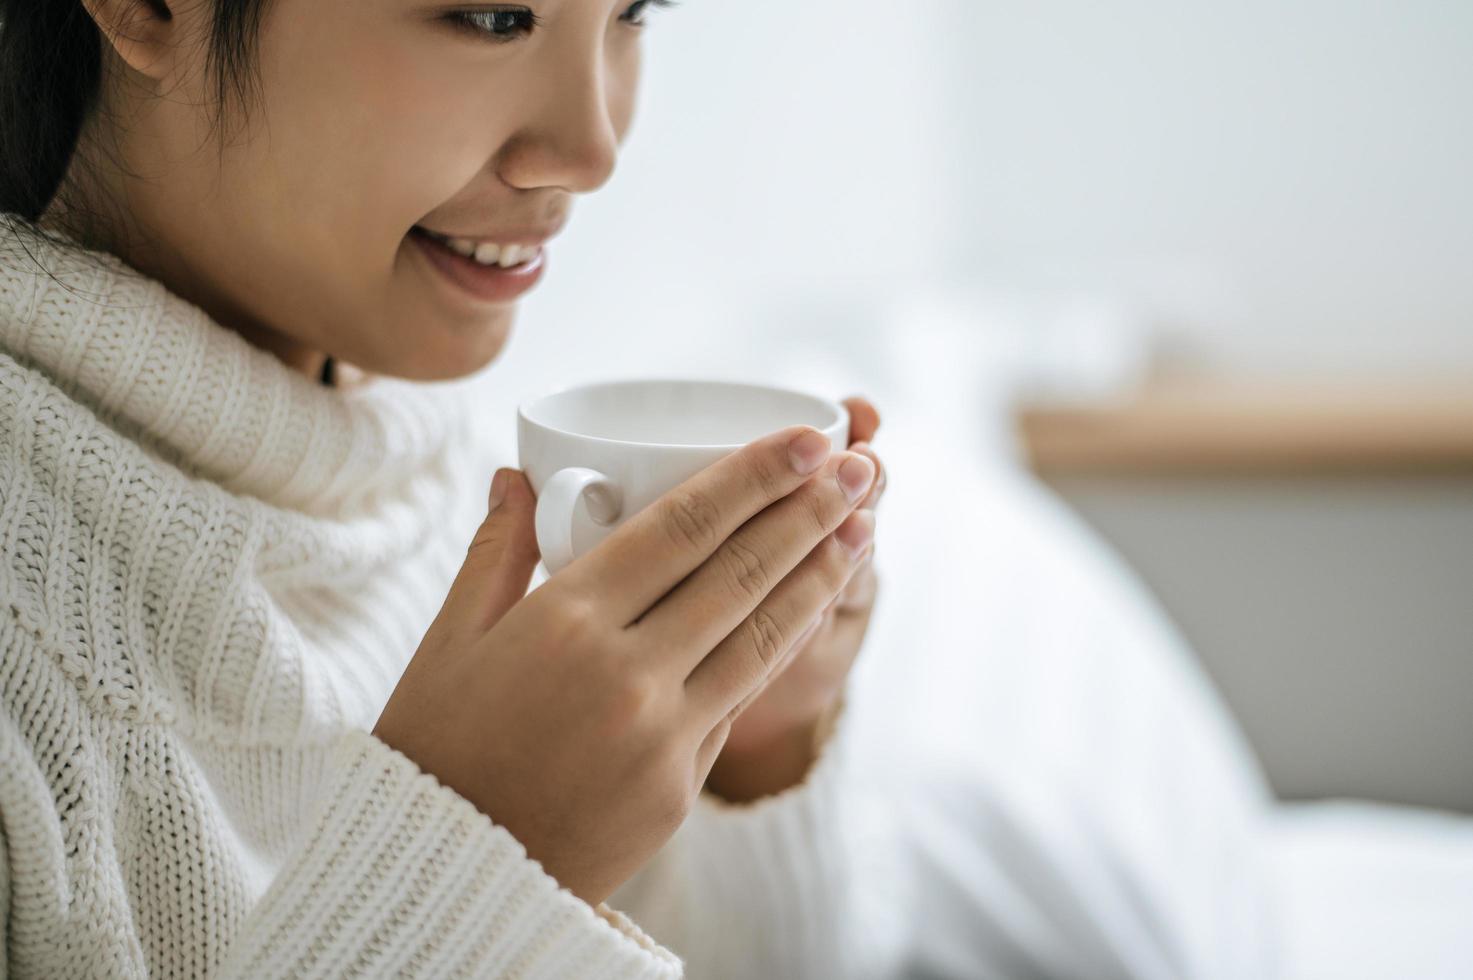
{"points": [[401, 876], [761, 889]]}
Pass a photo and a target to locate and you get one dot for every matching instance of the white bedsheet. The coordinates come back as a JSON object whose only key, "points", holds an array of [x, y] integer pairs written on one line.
{"points": [[1374, 892]]}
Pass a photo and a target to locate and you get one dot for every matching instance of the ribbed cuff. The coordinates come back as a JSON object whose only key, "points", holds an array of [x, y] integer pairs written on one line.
{"points": [[402, 876]]}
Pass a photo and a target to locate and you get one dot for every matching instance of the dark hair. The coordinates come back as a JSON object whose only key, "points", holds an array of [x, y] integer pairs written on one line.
{"points": [[51, 74]]}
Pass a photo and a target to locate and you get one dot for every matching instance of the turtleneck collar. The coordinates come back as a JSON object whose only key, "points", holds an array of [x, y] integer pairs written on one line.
{"points": [[157, 367]]}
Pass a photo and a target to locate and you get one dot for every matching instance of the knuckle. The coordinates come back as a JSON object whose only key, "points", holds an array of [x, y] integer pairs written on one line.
{"points": [[666, 766], [578, 619], [820, 511], [633, 702], [837, 566], [766, 638], [490, 538], [675, 798], [769, 473], [693, 520], [745, 570]]}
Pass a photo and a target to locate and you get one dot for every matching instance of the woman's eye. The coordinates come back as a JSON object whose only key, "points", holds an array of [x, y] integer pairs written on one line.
{"points": [[496, 25], [631, 16], [508, 24]]}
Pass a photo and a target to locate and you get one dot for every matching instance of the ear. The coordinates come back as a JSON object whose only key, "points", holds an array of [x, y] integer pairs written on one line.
{"points": [[144, 33]]}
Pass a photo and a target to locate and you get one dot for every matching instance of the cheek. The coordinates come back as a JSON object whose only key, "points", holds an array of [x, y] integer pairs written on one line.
{"points": [[371, 128], [355, 139]]}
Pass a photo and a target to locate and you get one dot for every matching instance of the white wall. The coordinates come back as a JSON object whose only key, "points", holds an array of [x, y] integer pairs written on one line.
{"points": [[1284, 184]]}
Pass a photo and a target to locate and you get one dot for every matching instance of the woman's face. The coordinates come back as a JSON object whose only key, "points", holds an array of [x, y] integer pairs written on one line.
{"points": [[372, 117]]}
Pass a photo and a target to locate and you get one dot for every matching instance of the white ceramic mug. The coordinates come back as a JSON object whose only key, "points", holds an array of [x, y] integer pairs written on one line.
{"points": [[595, 454]]}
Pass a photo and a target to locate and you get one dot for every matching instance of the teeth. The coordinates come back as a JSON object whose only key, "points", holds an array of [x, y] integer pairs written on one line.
{"points": [[489, 253]]}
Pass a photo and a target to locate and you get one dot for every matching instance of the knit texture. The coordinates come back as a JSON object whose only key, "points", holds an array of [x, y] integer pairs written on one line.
{"points": [[214, 572]]}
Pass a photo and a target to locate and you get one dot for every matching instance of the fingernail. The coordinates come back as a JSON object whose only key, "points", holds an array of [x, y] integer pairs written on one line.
{"points": [[855, 475], [856, 532], [808, 451], [498, 489]]}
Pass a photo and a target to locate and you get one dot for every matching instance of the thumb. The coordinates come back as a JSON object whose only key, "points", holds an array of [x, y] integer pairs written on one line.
{"points": [[501, 558]]}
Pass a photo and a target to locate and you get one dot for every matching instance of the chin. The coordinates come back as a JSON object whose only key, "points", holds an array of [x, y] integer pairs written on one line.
{"points": [[459, 356]]}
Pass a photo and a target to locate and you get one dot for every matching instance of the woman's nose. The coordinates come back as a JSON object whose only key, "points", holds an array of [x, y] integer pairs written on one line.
{"points": [[570, 140]]}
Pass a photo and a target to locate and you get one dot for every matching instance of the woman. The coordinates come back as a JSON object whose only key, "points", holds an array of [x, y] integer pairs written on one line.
{"points": [[276, 698], [277, 701]]}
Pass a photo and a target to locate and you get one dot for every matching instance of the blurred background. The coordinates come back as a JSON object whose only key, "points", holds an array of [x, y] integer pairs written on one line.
{"points": [[1203, 271]]}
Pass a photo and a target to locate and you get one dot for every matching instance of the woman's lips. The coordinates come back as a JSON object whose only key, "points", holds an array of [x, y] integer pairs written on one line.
{"points": [[489, 283]]}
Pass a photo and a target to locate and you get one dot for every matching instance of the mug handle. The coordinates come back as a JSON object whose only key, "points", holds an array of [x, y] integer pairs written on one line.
{"points": [[557, 502]]}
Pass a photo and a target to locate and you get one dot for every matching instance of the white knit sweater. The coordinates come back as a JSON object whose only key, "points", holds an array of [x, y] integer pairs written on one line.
{"points": [[214, 572]]}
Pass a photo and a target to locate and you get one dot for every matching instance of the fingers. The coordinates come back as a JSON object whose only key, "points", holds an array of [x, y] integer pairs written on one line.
{"points": [[864, 418], [739, 665], [710, 748], [656, 548], [864, 421], [862, 589], [877, 490], [689, 622], [500, 560]]}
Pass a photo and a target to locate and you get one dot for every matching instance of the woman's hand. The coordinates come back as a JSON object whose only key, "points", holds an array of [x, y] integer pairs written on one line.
{"points": [[772, 743], [584, 717]]}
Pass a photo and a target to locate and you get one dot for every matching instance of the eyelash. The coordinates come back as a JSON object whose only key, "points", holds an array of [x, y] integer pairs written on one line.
{"points": [[527, 21]]}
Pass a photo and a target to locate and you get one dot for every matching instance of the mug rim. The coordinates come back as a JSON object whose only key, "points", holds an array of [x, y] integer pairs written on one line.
{"points": [[526, 405]]}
